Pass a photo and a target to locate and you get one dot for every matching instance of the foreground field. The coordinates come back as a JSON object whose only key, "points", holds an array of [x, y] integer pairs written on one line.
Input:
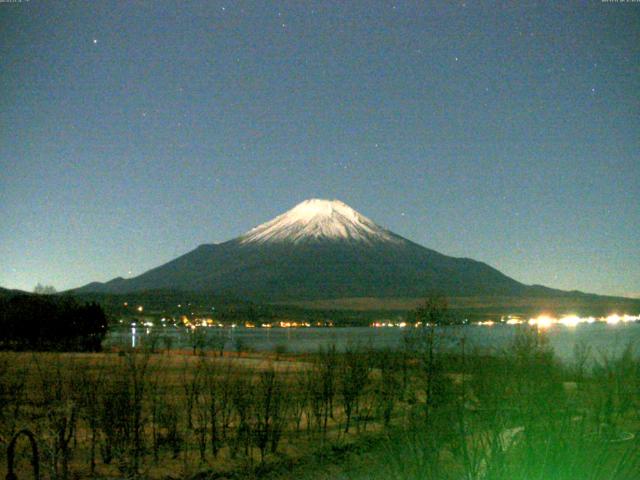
{"points": [[411, 413]]}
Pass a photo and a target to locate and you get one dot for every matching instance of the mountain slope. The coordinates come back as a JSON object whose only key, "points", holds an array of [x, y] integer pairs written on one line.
{"points": [[319, 250]]}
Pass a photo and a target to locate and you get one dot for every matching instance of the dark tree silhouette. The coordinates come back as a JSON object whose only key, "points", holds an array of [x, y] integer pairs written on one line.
{"points": [[38, 322]]}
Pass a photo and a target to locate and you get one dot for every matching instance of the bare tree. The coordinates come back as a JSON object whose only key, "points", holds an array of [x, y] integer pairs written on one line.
{"points": [[168, 417], [197, 339], [298, 397], [217, 339], [137, 368], [13, 381], [225, 391], [44, 289], [192, 385], [242, 398], [88, 383], [389, 385], [214, 395], [268, 412], [327, 365], [433, 312], [353, 374], [62, 422]]}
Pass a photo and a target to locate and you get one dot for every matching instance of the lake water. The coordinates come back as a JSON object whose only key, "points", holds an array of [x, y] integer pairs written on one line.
{"points": [[603, 338]]}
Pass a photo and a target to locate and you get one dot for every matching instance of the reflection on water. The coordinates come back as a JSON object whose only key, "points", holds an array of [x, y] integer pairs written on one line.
{"points": [[603, 338]]}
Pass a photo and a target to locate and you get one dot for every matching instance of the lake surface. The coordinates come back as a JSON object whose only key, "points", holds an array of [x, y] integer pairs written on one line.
{"points": [[603, 338]]}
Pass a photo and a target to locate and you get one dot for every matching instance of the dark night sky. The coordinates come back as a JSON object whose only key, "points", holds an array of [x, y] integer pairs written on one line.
{"points": [[132, 132]]}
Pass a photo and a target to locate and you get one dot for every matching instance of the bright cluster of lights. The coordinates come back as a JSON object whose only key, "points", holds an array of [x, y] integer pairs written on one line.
{"points": [[293, 324], [487, 323], [542, 321], [389, 324], [546, 321], [208, 323]]}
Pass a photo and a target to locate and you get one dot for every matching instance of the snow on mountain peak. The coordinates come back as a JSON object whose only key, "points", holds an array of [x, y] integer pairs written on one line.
{"points": [[319, 219]]}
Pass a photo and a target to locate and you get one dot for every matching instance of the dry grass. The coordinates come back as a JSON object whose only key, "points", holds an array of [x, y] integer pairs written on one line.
{"points": [[48, 383], [475, 400]]}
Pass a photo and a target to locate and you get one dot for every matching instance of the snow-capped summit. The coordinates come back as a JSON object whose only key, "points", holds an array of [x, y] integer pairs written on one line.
{"points": [[317, 219]]}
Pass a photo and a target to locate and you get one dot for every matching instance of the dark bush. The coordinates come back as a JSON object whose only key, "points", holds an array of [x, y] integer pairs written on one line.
{"points": [[39, 322]]}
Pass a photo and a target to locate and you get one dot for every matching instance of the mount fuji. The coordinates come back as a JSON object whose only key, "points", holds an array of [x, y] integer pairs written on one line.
{"points": [[322, 250]]}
